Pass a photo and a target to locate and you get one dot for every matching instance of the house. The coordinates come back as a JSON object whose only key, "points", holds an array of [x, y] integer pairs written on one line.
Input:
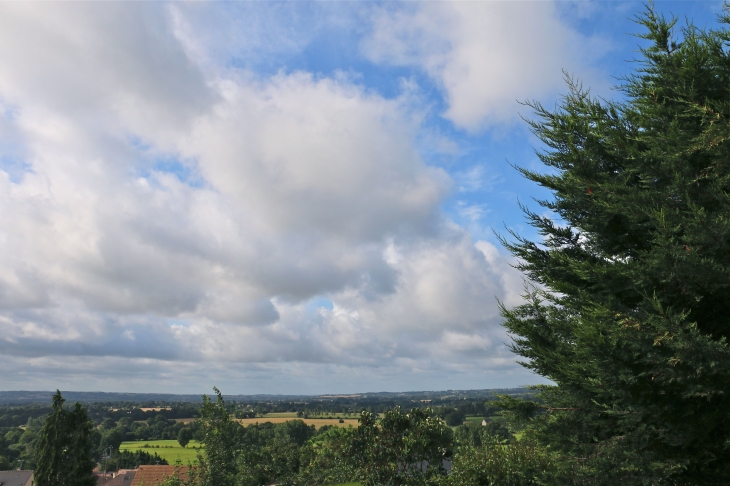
{"points": [[123, 478], [154, 475], [16, 478], [102, 478]]}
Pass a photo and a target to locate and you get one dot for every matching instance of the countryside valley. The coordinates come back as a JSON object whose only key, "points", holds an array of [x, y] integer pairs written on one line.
{"points": [[285, 440]]}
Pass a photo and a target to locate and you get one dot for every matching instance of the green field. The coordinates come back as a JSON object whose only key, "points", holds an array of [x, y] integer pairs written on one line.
{"points": [[169, 450], [476, 420]]}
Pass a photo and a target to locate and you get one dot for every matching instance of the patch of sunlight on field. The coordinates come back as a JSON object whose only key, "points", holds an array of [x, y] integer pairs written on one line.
{"points": [[169, 450]]}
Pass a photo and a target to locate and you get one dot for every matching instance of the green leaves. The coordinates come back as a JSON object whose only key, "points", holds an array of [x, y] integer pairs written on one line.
{"points": [[628, 314], [64, 449], [218, 462], [402, 448]]}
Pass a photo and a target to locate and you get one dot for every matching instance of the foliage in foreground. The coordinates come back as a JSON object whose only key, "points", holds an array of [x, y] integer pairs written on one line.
{"points": [[402, 448], [399, 449], [500, 464], [64, 449], [629, 310], [132, 459]]}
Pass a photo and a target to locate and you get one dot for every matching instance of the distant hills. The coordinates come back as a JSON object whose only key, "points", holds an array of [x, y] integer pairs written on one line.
{"points": [[23, 397]]}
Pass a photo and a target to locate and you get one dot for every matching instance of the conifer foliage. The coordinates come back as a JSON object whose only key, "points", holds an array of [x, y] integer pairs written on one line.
{"points": [[629, 308], [64, 448]]}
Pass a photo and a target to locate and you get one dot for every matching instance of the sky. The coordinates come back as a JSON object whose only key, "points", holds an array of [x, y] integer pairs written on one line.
{"points": [[278, 197]]}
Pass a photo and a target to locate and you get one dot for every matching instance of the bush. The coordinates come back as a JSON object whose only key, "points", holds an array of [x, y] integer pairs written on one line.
{"points": [[402, 448], [132, 459], [496, 464], [324, 459], [476, 435], [455, 418]]}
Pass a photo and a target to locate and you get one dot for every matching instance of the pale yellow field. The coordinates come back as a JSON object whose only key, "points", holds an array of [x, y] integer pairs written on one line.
{"points": [[310, 421]]}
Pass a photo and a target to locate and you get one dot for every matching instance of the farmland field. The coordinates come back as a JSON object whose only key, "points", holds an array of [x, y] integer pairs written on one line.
{"points": [[169, 450], [312, 415], [310, 421]]}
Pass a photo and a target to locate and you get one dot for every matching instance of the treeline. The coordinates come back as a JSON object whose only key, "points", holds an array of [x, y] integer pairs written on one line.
{"points": [[15, 416], [18, 415], [454, 413], [397, 447], [443, 404], [135, 412], [17, 444]]}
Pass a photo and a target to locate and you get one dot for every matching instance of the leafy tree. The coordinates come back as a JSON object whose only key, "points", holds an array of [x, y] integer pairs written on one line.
{"points": [[132, 459], [629, 311], [125, 422], [219, 433], [110, 441], [107, 424], [402, 448], [270, 453], [63, 449], [494, 463], [184, 436], [324, 458], [471, 434], [455, 418]]}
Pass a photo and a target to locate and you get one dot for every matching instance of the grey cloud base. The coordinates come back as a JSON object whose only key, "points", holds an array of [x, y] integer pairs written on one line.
{"points": [[179, 219]]}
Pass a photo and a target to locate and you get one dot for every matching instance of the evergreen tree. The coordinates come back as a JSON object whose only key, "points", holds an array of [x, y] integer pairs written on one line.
{"points": [[629, 308], [64, 450]]}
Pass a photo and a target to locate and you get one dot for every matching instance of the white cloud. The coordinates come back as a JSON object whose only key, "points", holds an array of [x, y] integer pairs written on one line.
{"points": [[169, 217], [485, 55]]}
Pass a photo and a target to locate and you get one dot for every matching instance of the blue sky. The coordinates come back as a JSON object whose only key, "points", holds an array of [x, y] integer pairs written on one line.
{"points": [[278, 197]]}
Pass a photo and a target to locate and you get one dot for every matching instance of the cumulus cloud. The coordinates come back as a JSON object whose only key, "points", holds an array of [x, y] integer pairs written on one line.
{"points": [[167, 216], [485, 56]]}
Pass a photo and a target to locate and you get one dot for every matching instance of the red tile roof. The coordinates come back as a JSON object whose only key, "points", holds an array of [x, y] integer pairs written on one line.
{"points": [[154, 475]]}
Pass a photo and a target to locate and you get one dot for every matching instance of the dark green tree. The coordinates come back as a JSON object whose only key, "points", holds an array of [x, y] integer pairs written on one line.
{"points": [[324, 459], [107, 424], [184, 436], [63, 450], [401, 448], [629, 308], [110, 441], [132, 459], [219, 436], [494, 463]]}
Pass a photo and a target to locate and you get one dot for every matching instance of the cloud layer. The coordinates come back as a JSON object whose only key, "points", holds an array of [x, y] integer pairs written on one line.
{"points": [[484, 55], [161, 208]]}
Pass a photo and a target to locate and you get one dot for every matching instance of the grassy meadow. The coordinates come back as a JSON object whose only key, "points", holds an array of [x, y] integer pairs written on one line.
{"points": [[169, 450]]}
